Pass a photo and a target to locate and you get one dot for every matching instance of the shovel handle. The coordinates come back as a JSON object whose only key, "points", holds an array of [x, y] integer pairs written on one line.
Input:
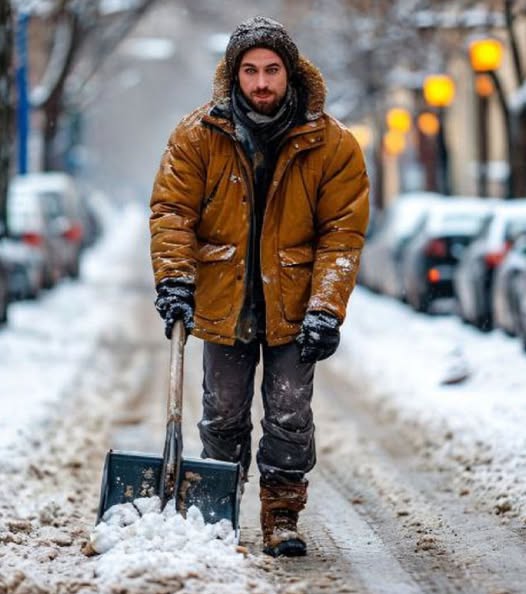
{"points": [[173, 444], [175, 389]]}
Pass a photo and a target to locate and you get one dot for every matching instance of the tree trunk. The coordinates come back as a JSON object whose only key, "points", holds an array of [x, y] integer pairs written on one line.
{"points": [[54, 105], [6, 51]]}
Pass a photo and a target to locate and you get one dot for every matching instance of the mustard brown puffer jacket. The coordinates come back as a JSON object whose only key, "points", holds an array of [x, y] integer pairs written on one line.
{"points": [[313, 230]]}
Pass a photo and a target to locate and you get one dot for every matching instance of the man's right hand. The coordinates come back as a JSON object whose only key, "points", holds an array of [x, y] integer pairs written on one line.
{"points": [[175, 301]]}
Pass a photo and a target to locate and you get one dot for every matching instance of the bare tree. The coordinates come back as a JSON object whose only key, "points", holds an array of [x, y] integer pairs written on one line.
{"points": [[81, 31]]}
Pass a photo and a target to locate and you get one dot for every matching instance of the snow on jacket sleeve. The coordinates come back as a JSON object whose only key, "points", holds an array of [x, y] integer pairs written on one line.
{"points": [[342, 214], [175, 207]]}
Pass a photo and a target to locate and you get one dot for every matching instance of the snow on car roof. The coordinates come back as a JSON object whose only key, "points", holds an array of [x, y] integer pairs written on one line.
{"points": [[42, 181]]}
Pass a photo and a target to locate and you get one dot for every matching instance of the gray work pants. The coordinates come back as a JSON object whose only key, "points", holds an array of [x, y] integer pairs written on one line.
{"points": [[286, 451]]}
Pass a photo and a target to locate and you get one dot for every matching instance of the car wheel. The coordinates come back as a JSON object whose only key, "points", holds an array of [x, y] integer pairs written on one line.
{"points": [[421, 301], [74, 271], [33, 293], [48, 281], [515, 306], [484, 322], [461, 312], [3, 304], [521, 324], [522, 335]]}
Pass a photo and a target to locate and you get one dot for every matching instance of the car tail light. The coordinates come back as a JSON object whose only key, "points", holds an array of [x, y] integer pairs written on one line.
{"points": [[34, 239], [436, 248], [493, 259], [74, 233], [433, 275]]}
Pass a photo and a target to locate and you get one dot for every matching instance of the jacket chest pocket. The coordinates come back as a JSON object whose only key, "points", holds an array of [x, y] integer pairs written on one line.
{"points": [[216, 275], [295, 279]]}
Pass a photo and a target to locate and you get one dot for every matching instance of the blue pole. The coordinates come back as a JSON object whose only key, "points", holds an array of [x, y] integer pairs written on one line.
{"points": [[22, 90]]}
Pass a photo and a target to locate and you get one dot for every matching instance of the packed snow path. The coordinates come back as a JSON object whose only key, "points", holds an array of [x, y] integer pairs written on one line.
{"points": [[419, 486]]}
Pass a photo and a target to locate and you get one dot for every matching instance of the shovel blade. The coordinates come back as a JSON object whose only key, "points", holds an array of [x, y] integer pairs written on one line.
{"points": [[213, 486]]}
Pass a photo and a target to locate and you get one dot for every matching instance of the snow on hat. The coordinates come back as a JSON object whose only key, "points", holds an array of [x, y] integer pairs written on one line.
{"points": [[261, 31]]}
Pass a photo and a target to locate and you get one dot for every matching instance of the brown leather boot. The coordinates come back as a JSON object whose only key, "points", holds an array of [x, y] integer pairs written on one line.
{"points": [[280, 506]]}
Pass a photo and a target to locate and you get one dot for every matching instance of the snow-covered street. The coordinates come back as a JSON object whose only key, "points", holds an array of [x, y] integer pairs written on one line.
{"points": [[414, 473], [420, 481], [465, 390]]}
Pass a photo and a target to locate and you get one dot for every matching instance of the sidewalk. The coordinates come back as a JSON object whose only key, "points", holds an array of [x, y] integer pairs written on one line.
{"points": [[47, 342]]}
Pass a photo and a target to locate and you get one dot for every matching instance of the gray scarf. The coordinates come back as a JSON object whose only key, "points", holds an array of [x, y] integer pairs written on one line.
{"points": [[263, 129]]}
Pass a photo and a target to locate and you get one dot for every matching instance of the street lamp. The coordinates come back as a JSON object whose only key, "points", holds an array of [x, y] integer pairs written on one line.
{"points": [[484, 88], [394, 142], [486, 57], [398, 119], [439, 92], [428, 123], [485, 54]]}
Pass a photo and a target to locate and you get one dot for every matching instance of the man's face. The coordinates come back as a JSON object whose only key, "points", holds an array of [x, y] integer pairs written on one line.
{"points": [[263, 79]]}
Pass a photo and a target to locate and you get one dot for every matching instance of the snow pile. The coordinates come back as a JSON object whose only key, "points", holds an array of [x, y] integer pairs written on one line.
{"points": [[140, 543], [48, 341], [457, 393]]}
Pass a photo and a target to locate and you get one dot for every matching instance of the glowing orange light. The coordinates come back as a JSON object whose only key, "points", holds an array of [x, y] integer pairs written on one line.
{"points": [[439, 90], [363, 134], [394, 142], [485, 54], [398, 119], [433, 275], [484, 85], [428, 123]]}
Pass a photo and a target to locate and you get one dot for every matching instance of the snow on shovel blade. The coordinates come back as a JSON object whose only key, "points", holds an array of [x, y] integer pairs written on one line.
{"points": [[212, 486]]}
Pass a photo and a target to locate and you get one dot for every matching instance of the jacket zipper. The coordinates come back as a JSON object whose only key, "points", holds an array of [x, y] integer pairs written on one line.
{"points": [[251, 248]]}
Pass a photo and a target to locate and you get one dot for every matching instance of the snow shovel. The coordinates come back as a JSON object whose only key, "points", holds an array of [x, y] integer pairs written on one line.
{"points": [[213, 486]]}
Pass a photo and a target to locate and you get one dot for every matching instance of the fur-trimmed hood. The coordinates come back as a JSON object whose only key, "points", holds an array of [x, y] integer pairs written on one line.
{"points": [[307, 79]]}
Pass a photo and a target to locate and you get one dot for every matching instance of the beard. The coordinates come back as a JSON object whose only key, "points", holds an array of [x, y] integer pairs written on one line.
{"points": [[267, 108]]}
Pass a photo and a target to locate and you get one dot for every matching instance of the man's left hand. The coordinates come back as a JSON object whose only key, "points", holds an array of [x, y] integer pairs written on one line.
{"points": [[319, 336]]}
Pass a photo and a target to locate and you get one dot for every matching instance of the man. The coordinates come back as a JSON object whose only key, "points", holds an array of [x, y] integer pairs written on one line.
{"points": [[259, 211]]}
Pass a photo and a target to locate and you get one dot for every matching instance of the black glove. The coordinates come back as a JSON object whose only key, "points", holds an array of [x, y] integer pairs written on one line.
{"points": [[175, 301], [319, 336]]}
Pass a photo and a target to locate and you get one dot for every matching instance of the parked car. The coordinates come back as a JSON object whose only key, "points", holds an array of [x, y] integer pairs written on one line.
{"points": [[432, 254], [506, 292], [380, 261], [63, 212], [32, 222], [476, 272], [521, 306], [4, 286], [24, 264], [90, 220]]}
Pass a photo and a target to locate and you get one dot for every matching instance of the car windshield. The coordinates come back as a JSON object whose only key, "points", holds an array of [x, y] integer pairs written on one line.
{"points": [[459, 223], [405, 219], [23, 214], [53, 202], [514, 228]]}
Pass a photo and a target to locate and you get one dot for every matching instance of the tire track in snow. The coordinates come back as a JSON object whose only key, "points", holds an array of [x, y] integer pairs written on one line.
{"points": [[438, 537]]}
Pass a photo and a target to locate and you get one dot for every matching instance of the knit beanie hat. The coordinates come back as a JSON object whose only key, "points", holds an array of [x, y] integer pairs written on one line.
{"points": [[260, 32]]}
